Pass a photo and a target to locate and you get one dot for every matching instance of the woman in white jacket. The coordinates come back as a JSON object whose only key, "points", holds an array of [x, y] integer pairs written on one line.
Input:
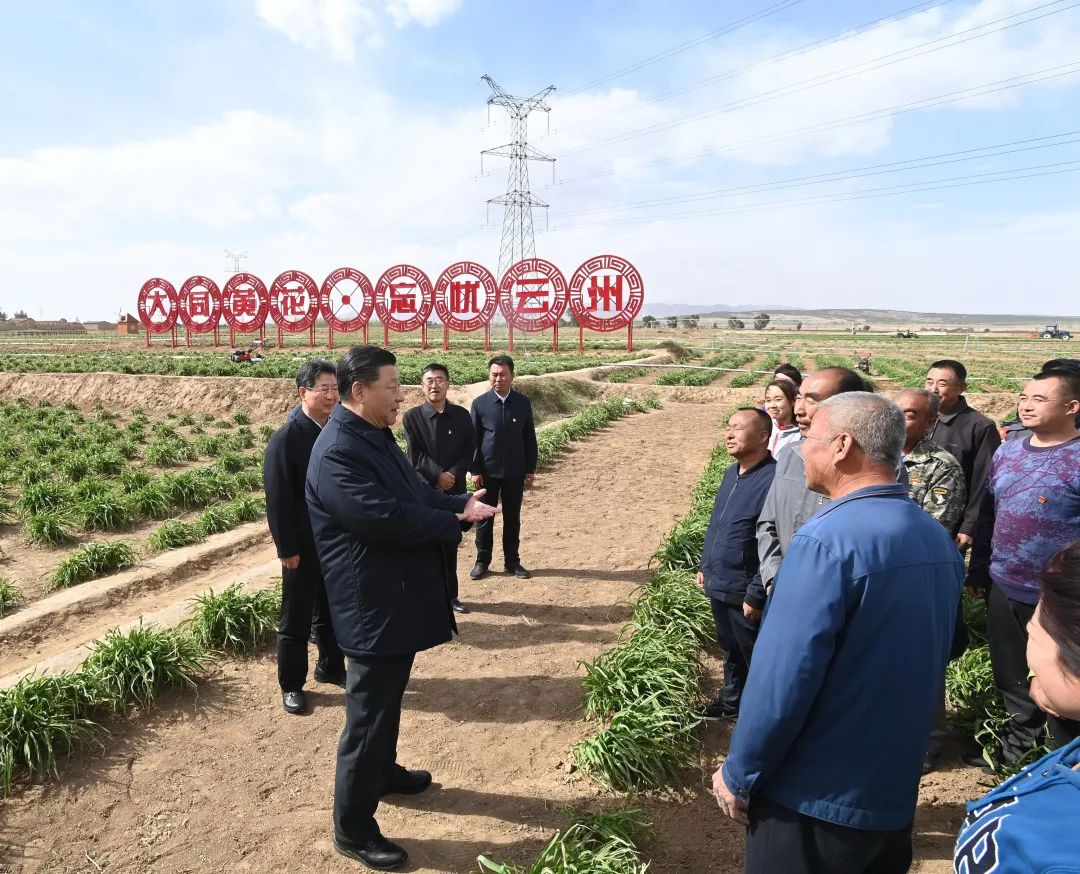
{"points": [[780, 405]]}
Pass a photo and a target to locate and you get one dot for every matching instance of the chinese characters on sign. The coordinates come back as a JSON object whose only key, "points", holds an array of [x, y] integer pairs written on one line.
{"points": [[604, 294]]}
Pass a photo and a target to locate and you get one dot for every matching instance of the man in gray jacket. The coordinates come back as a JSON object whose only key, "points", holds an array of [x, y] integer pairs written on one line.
{"points": [[789, 503]]}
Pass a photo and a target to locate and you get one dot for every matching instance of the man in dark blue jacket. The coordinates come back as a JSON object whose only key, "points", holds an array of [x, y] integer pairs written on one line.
{"points": [[729, 561], [303, 597], [505, 462], [380, 531], [825, 760]]}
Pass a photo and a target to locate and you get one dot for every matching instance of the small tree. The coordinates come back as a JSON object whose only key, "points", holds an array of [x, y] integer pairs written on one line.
{"points": [[736, 324], [20, 314], [3, 316], [673, 321], [761, 321], [865, 328], [649, 322], [690, 322], [798, 326]]}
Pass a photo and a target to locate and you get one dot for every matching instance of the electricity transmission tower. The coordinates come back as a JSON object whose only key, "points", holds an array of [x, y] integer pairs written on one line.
{"points": [[236, 259], [518, 202]]}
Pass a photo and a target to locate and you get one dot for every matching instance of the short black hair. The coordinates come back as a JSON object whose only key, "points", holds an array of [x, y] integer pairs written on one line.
{"points": [[958, 369], [1070, 379], [361, 364], [502, 361], [1060, 605], [789, 369], [763, 419], [310, 371], [1061, 364], [435, 366], [848, 380]]}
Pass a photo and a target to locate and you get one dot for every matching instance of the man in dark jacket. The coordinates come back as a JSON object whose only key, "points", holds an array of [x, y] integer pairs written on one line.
{"points": [[505, 462], [729, 561], [302, 591], [441, 444], [380, 531], [967, 435]]}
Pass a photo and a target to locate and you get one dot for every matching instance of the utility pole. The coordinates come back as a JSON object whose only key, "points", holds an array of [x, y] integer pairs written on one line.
{"points": [[236, 259], [518, 241]]}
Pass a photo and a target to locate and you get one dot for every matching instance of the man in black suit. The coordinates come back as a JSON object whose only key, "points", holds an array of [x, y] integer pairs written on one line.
{"points": [[284, 473], [440, 438], [505, 462]]}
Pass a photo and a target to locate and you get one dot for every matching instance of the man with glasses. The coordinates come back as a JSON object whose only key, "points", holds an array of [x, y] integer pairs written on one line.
{"points": [[966, 434], [440, 438], [302, 590]]}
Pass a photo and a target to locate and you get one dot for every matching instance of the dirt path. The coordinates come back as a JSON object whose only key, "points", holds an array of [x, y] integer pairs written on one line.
{"points": [[229, 782]]}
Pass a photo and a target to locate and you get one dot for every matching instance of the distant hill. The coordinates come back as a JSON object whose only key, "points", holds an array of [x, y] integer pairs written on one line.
{"points": [[782, 316]]}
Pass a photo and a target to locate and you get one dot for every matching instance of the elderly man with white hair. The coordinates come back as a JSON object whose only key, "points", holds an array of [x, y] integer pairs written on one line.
{"points": [[825, 759]]}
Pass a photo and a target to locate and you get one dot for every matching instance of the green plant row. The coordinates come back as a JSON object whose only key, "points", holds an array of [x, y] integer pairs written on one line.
{"points": [[624, 374], [44, 718], [600, 843], [552, 440], [726, 360], [645, 691]]}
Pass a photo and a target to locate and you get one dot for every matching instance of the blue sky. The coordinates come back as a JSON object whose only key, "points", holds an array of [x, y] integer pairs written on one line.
{"points": [[143, 139]]}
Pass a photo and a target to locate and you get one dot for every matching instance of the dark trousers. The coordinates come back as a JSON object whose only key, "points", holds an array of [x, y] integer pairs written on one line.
{"points": [[736, 636], [367, 750], [450, 552], [512, 491], [1006, 625], [783, 841], [304, 610]]}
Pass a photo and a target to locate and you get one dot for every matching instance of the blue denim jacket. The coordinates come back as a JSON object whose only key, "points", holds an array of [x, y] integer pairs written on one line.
{"points": [[847, 669]]}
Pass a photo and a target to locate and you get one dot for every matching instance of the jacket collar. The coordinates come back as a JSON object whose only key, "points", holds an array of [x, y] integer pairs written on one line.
{"points": [[349, 421], [887, 490], [765, 462], [961, 407], [431, 412], [923, 451]]}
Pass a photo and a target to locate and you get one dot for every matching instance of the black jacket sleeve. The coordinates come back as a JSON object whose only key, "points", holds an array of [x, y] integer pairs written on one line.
{"points": [[461, 464], [978, 575], [415, 434], [284, 498], [989, 441], [477, 466], [531, 451]]}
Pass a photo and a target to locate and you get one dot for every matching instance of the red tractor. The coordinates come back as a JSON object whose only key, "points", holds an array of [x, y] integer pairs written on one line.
{"points": [[250, 355]]}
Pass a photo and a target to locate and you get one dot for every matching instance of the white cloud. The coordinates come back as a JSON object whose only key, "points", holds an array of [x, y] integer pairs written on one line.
{"points": [[425, 12], [333, 26]]}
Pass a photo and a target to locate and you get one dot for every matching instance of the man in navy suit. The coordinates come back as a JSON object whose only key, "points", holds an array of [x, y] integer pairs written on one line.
{"points": [[505, 462]]}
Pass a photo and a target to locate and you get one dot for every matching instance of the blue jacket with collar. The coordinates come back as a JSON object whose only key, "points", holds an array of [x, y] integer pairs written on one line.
{"points": [[837, 711], [1028, 823], [380, 532], [729, 561]]}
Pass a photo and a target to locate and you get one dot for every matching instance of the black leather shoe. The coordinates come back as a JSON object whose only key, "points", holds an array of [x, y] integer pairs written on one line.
{"points": [[478, 572], [975, 759], [404, 782], [458, 606], [294, 702], [378, 853], [520, 572], [334, 678]]}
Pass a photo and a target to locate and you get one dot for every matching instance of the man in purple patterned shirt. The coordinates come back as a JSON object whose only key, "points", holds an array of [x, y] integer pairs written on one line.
{"points": [[1032, 510]]}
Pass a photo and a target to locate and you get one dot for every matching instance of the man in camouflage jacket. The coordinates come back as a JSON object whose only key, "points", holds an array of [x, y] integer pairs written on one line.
{"points": [[935, 483], [935, 478]]}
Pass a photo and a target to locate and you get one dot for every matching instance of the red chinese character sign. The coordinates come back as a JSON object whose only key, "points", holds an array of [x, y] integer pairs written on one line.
{"points": [[532, 297], [466, 297], [200, 307], [245, 305], [294, 304], [606, 293], [159, 308], [403, 301], [345, 301]]}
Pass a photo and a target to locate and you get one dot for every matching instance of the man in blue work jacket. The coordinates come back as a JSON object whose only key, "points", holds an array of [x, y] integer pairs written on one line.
{"points": [[825, 760], [505, 462], [729, 561]]}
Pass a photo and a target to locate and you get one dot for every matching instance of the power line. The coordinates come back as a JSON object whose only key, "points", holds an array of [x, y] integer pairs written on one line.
{"points": [[859, 118], [896, 57], [888, 191], [840, 36], [973, 154], [686, 46]]}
